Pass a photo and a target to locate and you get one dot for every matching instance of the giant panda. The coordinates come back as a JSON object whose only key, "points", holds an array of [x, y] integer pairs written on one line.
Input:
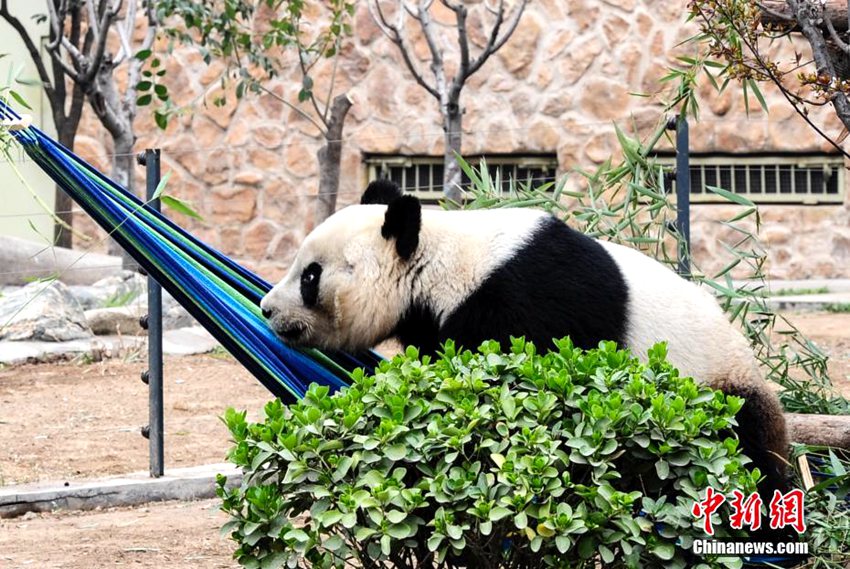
{"points": [[389, 268]]}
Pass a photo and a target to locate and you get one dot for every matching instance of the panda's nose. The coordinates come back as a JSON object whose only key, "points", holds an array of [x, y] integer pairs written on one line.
{"points": [[267, 313]]}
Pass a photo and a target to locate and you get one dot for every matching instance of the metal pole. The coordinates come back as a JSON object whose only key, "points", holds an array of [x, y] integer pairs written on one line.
{"points": [[683, 191], [153, 322]]}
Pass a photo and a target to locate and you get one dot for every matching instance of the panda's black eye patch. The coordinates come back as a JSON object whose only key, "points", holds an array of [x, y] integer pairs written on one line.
{"points": [[310, 284]]}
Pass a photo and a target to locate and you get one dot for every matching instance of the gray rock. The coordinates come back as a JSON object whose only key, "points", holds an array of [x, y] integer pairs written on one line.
{"points": [[88, 296], [31, 259], [129, 288], [175, 316], [120, 320], [121, 289], [181, 342], [42, 311], [188, 341]]}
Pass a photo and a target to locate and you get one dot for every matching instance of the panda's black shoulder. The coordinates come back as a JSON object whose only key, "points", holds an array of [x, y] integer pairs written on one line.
{"points": [[557, 282], [381, 192]]}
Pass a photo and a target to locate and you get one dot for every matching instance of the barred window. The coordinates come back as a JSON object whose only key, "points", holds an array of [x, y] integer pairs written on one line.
{"points": [[422, 176], [810, 179]]}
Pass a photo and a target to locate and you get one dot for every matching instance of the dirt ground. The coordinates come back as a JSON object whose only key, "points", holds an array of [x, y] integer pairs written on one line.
{"points": [[831, 333], [169, 535], [64, 421], [71, 421]]}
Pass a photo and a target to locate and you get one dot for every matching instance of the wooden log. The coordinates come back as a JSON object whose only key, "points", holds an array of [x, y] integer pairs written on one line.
{"points": [[826, 430], [777, 12]]}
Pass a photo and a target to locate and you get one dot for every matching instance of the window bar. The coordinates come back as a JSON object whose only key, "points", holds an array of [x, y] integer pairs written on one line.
{"points": [[793, 171], [809, 182], [763, 179]]}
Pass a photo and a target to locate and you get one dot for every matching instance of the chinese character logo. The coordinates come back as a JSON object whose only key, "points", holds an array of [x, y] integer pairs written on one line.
{"points": [[787, 510], [746, 512], [713, 500], [784, 510]]}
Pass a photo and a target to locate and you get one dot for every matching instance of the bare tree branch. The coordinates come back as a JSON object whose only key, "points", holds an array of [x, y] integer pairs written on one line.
{"points": [[494, 42], [395, 35], [834, 35], [779, 12], [55, 20], [774, 13], [124, 33], [436, 53], [16, 24], [280, 99], [462, 39], [511, 26], [100, 45], [333, 83], [491, 40], [305, 72], [93, 20], [447, 93]]}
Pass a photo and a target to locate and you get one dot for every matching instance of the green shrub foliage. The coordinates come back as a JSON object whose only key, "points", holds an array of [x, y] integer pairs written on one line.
{"points": [[487, 459]]}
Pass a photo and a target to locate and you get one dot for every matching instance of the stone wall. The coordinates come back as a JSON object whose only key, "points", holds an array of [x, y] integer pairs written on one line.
{"points": [[571, 70]]}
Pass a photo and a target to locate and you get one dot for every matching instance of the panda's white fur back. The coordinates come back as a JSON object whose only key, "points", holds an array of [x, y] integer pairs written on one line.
{"points": [[663, 306]]}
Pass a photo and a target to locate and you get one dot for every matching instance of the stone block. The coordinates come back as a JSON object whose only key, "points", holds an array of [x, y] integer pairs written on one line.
{"points": [[121, 320], [43, 311], [518, 53]]}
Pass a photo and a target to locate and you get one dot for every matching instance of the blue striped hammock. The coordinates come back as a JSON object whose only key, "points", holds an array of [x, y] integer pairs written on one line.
{"points": [[220, 294]]}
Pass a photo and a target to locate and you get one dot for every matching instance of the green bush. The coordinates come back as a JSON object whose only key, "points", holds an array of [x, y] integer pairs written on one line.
{"points": [[486, 459]]}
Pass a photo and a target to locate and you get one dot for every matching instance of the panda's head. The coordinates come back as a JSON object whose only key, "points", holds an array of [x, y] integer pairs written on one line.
{"points": [[343, 290]]}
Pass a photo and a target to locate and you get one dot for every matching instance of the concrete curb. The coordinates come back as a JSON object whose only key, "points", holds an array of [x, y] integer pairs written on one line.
{"points": [[193, 483], [808, 302]]}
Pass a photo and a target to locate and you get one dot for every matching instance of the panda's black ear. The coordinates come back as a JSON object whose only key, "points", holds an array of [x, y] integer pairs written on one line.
{"points": [[402, 223], [381, 192]]}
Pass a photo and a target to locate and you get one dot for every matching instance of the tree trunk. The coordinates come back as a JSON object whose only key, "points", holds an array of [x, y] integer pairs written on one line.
{"points": [[821, 53], [452, 124], [778, 12], [122, 173], [330, 159], [827, 430], [62, 237]]}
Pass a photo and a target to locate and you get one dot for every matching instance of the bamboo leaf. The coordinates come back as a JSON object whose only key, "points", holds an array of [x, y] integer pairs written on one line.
{"points": [[180, 206], [732, 197], [160, 187]]}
